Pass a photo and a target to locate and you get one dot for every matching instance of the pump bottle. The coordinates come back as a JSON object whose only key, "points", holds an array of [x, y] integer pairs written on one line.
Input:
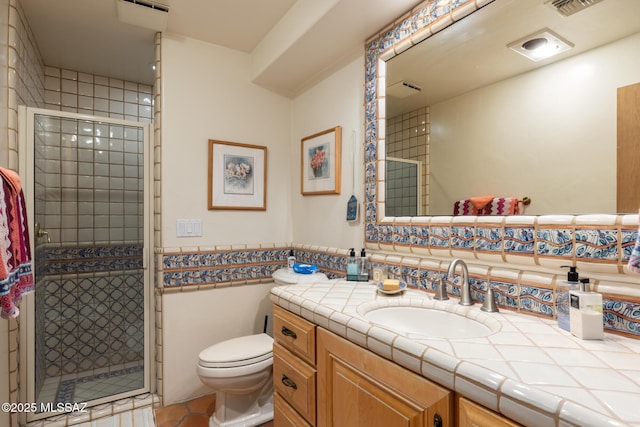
{"points": [[562, 297], [363, 267], [291, 260], [352, 266]]}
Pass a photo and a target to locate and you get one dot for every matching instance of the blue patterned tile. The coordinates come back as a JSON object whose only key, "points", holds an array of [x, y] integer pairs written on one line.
{"points": [[439, 236], [462, 237], [554, 242], [622, 316], [628, 240], [401, 234], [600, 244], [519, 239], [537, 300]]}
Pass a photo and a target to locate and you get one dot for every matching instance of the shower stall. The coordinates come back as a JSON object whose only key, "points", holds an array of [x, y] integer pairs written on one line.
{"points": [[404, 187], [85, 336]]}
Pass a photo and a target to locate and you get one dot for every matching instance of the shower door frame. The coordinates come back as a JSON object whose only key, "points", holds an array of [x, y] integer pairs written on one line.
{"points": [[26, 323]]}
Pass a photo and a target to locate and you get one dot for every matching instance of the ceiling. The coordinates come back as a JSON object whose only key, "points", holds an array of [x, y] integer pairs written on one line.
{"points": [[312, 38]]}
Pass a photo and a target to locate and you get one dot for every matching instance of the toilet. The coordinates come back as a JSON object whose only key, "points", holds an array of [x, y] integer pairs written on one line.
{"points": [[240, 370]]}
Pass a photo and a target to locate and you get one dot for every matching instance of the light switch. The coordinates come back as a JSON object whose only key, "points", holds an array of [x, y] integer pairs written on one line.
{"points": [[188, 228]]}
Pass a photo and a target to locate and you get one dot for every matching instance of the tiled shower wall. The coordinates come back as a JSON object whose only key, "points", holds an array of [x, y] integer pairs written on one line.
{"points": [[89, 193], [408, 138]]}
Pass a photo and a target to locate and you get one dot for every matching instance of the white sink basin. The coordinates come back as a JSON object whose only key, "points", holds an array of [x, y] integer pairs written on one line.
{"points": [[420, 322]]}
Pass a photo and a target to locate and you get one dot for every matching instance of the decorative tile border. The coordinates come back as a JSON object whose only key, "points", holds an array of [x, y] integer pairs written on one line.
{"points": [[90, 259], [517, 287]]}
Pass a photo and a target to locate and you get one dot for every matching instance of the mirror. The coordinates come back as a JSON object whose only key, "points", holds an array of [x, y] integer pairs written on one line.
{"points": [[467, 116]]}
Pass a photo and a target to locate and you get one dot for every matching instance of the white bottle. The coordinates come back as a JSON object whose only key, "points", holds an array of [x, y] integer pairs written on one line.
{"points": [[585, 313]]}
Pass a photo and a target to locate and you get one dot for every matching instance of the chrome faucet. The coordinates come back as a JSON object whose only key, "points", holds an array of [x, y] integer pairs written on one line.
{"points": [[465, 287]]}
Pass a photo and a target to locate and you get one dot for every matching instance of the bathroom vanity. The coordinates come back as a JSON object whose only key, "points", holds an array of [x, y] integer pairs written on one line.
{"points": [[332, 367]]}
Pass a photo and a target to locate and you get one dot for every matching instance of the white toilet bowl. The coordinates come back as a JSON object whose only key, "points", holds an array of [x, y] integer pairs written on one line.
{"points": [[240, 371]]}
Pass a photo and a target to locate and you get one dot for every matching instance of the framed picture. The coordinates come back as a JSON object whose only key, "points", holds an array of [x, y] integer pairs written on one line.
{"points": [[320, 163], [237, 176]]}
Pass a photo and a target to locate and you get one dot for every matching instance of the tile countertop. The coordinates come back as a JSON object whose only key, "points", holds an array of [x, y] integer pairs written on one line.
{"points": [[530, 370]]}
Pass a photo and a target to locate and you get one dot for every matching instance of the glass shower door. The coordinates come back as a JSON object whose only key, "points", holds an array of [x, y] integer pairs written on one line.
{"points": [[90, 324]]}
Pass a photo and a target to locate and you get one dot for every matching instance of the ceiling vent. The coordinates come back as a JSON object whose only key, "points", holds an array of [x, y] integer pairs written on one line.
{"points": [[145, 14], [569, 7], [403, 89]]}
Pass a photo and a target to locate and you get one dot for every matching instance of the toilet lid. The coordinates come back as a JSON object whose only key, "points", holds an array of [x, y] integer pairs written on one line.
{"points": [[239, 351], [284, 276]]}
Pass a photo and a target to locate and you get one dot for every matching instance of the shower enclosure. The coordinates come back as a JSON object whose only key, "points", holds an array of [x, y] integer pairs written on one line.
{"points": [[404, 187], [85, 333]]}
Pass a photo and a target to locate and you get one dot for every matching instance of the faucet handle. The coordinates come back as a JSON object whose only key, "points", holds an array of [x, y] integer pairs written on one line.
{"points": [[441, 289], [489, 304]]}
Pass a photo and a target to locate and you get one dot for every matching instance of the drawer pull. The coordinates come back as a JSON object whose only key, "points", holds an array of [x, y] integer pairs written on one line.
{"points": [[288, 382], [288, 332]]}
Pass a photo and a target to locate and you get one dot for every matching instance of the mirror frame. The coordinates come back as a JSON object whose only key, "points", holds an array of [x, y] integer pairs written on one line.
{"points": [[426, 19], [448, 235]]}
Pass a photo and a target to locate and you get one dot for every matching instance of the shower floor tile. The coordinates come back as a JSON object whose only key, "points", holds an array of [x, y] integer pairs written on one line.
{"points": [[96, 386]]}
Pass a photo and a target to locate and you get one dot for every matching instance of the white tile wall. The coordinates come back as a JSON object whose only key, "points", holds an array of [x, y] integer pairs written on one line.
{"points": [[72, 91]]}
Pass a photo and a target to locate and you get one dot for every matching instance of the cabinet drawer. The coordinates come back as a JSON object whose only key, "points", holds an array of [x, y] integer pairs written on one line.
{"points": [[473, 415], [295, 333], [295, 382], [284, 415]]}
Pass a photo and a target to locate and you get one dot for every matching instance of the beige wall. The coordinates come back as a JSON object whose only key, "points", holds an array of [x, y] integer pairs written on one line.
{"points": [[336, 101], [207, 94], [564, 109]]}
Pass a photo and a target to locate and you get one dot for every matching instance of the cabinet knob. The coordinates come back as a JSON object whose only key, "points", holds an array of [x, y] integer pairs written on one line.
{"points": [[288, 332], [437, 420], [288, 382]]}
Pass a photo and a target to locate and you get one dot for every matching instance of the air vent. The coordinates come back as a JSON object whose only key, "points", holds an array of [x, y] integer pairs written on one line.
{"points": [[403, 89], [569, 7], [145, 14], [155, 6]]}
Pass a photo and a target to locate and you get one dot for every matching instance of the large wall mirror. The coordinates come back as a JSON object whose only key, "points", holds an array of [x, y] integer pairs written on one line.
{"points": [[468, 116]]}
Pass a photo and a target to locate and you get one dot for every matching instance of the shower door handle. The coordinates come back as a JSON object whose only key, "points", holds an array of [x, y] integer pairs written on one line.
{"points": [[42, 233]]}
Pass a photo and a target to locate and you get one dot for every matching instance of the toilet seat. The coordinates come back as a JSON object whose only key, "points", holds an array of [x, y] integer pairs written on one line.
{"points": [[237, 352]]}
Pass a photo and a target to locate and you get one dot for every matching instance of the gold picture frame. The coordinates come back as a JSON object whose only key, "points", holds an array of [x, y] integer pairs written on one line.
{"points": [[237, 176], [320, 162]]}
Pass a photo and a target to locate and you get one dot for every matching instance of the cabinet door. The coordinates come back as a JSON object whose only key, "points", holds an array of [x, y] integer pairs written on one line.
{"points": [[473, 415], [357, 388], [284, 415]]}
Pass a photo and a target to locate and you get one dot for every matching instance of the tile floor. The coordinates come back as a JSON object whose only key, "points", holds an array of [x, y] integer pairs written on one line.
{"points": [[194, 413], [92, 385]]}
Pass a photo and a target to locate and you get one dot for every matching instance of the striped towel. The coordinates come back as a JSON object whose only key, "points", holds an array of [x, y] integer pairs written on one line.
{"points": [[495, 206], [634, 260], [502, 206], [16, 278], [464, 207]]}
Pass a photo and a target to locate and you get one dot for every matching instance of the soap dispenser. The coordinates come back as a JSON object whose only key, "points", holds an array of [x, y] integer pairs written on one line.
{"points": [[363, 267], [562, 296], [352, 266], [585, 313], [291, 260]]}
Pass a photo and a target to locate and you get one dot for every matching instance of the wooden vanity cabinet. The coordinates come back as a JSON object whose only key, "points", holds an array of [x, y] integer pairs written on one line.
{"points": [[321, 379], [358, 388]]}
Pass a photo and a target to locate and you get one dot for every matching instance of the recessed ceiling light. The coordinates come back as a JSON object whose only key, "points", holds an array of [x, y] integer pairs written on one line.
{"points": [[540, 45]]}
